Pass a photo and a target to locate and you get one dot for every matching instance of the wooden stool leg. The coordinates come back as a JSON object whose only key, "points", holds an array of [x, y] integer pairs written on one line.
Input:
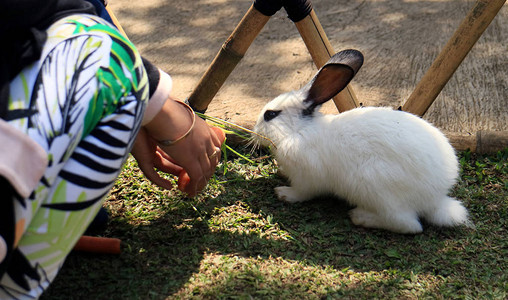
{"points": [[453, 53], [242, 37]]}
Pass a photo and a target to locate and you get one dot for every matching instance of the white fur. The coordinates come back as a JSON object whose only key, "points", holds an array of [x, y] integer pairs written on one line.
{"points": [[393, 166]]}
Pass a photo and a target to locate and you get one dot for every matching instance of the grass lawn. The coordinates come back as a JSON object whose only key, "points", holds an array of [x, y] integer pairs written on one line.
{"points": [[237, 241]]}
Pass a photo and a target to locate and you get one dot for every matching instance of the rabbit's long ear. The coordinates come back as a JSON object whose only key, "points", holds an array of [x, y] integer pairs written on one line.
{"points": [[332, 78]]}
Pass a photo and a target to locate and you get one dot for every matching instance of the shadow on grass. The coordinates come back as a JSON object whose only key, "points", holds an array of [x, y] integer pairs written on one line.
{"points": [[160, 256]]}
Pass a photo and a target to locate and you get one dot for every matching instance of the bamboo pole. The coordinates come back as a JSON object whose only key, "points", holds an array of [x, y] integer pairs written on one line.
{"points": [[115, 21], [232, 51], [453, 53], [321, 50]]}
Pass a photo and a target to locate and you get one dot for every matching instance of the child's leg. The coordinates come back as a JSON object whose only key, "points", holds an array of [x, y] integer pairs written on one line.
{"points": [[83, 103]]}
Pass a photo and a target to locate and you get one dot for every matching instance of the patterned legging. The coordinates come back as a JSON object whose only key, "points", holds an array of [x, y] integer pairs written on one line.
{"points": [[83, 103]]}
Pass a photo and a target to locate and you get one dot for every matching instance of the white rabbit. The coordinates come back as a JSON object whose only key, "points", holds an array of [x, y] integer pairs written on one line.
{"points": [[392, 165]]}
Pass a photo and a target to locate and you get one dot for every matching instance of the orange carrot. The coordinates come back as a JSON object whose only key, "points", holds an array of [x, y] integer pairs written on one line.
{"points": [[98, 245], [183, 180], [220, 134], [183, 177]]}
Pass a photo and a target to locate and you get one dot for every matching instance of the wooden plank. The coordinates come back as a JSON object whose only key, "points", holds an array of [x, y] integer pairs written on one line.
{"points": [[482, 142]]}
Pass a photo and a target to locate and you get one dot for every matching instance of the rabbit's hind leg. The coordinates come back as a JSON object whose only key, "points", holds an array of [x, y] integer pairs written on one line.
{"points": [[448, 212], [401, 222]]}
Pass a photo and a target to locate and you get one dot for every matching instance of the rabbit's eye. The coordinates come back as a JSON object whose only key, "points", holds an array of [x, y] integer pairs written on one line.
{"points": [[271, 114]]}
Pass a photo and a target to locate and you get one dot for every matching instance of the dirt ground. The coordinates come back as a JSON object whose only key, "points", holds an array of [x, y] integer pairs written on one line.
{"points": [[398, 38]]}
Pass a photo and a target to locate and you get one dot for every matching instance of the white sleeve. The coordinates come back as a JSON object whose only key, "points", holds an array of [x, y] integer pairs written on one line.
{"points": [[159, 97]]}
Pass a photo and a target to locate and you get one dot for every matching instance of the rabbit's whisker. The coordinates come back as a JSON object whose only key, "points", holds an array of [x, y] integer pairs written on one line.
{"points": [[224, 122]]}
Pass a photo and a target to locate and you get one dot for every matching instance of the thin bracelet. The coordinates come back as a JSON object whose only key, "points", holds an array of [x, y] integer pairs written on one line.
{"points": [[166, 143]]}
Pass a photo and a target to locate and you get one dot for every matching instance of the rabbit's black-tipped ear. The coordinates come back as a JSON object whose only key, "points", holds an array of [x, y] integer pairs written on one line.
{"points": [[333, 77]]}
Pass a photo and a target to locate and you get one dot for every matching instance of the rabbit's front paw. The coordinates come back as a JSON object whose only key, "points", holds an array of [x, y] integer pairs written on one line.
{"points": [[362, 217], [288, 194]]}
